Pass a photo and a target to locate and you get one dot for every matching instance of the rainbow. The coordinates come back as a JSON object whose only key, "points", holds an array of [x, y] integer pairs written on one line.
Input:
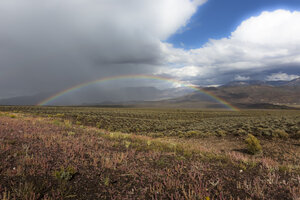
{"points": [[138, 76]]}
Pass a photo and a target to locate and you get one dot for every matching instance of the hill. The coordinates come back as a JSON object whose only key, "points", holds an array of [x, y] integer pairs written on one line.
{"points": [[252, 94], [249, 94]]}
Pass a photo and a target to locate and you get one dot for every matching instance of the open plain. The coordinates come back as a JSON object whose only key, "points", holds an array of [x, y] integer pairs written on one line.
{"points": [[135, 153]]}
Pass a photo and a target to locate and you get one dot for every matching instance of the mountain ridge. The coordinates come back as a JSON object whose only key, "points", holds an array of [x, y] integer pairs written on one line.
{"points": [[294, 82], [238, 93]]}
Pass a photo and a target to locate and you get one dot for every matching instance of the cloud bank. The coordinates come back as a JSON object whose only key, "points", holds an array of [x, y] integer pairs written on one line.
{"points": [[281, 77], [241, 78]]}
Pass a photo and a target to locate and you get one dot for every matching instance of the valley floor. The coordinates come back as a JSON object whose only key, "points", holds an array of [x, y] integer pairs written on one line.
{"points": [[53, 158]]}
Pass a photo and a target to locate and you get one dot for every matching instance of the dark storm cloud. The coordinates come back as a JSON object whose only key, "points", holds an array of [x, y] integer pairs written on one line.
{"points": [[54, 44]]}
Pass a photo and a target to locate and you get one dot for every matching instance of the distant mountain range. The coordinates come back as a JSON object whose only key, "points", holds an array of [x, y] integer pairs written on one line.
{"points": [[244, 94], [247, 94], [295, 82], [24, 100], [101, 96]]}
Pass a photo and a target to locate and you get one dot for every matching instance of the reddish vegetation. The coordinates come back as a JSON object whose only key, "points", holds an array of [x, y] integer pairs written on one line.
{"points": [[45, 160]]}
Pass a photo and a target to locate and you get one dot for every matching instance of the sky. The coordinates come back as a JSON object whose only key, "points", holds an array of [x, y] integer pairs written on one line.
{"points": [[217, 19], [51, 45]]}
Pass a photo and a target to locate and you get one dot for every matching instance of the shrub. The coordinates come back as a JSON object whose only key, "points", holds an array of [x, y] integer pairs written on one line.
{"points": [[281, 134], [56, 122], [106, 181], [59, 115], [127, 144], [157, 135], [190, 134], [68, 123], [240, 132], [99, 125], [71, 133], [221, 133], [65, 174], [253, 145], [12, 116], [263, 131], [297, 135]]}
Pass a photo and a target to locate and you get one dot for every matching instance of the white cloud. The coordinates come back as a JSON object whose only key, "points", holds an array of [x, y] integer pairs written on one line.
{"points": [[186, 71], [281, 77], [241, 78], [278, 28], [265, 42]]}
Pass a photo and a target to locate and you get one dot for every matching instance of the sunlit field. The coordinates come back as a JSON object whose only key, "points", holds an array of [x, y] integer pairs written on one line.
{"points": [[135, 153]]}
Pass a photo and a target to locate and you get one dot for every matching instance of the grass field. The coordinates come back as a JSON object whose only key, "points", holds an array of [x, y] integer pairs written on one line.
{"points": [[135, 153]]}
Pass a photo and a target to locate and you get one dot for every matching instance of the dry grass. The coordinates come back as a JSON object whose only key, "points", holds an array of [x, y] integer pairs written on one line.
{"points": [[43, 158]]}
